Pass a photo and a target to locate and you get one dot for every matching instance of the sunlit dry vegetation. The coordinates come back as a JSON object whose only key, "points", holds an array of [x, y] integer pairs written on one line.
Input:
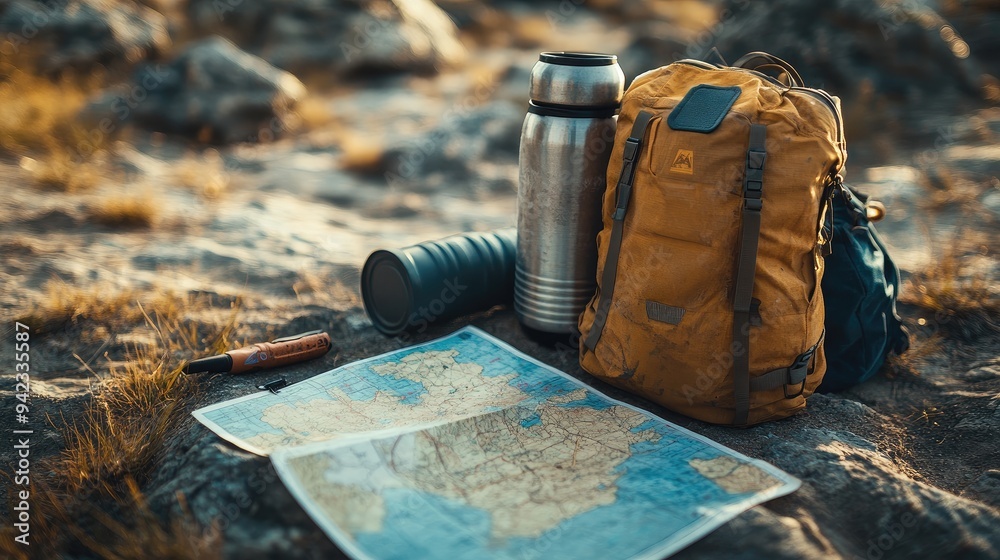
{"points": [[56, 170], [361, 154], [129, 211], [112, 447], [40, 122], [956, 298], [98, 303], [40, 114]]}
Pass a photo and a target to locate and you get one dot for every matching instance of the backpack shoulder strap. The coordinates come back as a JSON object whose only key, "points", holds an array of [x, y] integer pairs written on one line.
{"points": [[633, 148], [746, 268]]}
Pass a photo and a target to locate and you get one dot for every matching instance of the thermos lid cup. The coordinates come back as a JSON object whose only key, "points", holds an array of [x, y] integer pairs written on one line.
{"points": [[578, 58], [577, 80]]}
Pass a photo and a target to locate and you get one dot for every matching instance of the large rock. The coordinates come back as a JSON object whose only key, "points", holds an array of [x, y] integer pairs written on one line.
{"points": [[339, 36], [987, 488], [212, 92], [902, 49], [868, 508], [81, 35]]}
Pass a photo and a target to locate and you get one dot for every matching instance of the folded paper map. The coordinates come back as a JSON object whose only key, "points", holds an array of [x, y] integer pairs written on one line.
{"points": [[466, 448]]}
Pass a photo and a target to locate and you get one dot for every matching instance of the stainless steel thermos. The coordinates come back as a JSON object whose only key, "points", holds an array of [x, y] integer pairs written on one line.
{"points": [[566, 142]]}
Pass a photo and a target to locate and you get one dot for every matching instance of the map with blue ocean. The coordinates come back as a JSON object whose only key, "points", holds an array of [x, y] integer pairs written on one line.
{"points": [[464, 447]]}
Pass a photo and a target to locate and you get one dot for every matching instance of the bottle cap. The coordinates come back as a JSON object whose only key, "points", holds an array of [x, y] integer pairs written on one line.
{"points": [[387, 290]]}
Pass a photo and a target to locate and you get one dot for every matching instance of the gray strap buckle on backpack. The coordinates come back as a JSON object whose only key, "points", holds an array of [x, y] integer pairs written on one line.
{"points": [[790, 376], [631, 150]]}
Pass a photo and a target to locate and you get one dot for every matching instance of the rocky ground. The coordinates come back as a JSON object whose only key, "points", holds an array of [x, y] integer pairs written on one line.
{"points": [[268, 151]]}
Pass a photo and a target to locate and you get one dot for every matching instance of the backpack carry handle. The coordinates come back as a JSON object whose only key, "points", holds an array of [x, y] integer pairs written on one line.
{"points": [[757, 59]]}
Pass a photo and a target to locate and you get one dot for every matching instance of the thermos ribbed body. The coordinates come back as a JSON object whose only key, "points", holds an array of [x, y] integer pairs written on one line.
{"points": [[559, 216]]}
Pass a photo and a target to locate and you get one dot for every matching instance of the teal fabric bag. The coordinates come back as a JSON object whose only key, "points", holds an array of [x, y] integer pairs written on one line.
{"points": [[860, 288]]}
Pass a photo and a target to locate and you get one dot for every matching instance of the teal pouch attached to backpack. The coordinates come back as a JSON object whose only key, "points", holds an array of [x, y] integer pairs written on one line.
{"points": [[860, 288]]}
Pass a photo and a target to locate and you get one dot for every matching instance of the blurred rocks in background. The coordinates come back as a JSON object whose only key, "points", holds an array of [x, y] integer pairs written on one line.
{"points": [[978, 22], [884, 58], [473, 15], [212, 92], [657, 43], [904, 50], [461, 151], [81, 35], [339, 36]]}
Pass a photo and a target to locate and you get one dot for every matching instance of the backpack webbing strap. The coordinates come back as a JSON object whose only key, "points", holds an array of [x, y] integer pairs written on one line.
{"points": [[753, 184], [792, 375], [633, 147]]}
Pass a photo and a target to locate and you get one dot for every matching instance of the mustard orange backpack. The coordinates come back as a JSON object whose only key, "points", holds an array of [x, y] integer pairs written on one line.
{"points": [[711, 257]]}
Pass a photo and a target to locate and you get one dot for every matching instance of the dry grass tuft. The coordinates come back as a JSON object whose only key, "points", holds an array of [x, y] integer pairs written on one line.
{"points": [[191, 338], [114, 446], [136, 407], [204, 174], [133, 531], [361, 154], [121, 433], [132, 211], [327, 289], [309, 284], [962, 302], [49, 520], [920, 351], [100, 303], [40, 117], [313, 113], [945, 187], [40, 114], [58, 171]]}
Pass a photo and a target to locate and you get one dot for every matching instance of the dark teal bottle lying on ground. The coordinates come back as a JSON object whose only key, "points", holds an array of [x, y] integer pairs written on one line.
{"points": [[408, 289]]}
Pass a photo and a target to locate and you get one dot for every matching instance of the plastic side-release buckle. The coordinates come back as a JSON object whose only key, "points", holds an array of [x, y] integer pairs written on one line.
{"points": [[626, 178], [631, 148], [753, 182], [798, 371]]}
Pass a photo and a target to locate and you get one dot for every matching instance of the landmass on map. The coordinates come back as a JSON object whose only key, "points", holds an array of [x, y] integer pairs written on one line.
{"points": [[735, 477], [529, 469], [448, 390]]}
